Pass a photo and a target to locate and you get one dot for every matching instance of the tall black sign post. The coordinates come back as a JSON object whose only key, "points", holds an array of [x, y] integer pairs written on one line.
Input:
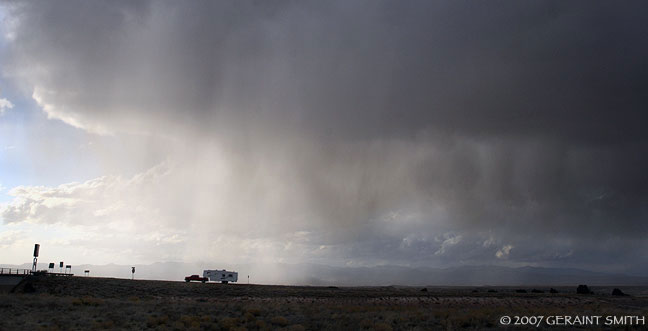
{"points": [[36, 249], [61, 267], [133, 272]]}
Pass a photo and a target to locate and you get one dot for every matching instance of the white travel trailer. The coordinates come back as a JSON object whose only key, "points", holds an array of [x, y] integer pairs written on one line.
{"points": [[222, 276]]}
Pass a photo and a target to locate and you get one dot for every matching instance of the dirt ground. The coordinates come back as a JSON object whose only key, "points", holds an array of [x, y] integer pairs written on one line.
{"points": [[62, 303]]}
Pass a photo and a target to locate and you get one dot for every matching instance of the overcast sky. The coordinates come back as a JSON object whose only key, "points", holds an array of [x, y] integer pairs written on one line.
{"points": [[359, 133]]}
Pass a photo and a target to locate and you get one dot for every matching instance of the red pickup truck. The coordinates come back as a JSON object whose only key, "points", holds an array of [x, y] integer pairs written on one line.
{"points": [[196, 278]]}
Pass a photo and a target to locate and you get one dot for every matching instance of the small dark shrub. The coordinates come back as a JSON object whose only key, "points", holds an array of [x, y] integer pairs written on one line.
{"points": [[583, 289]]}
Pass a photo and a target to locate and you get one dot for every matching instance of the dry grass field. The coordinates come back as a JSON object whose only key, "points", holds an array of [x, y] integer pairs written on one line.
{"points": [[61, 303]]}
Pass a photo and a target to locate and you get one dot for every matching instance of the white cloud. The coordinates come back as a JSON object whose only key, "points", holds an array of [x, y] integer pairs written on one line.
{"points": [[53, 111], [449, 240], [9, 237], [503, 252], [489, 242], [4, 105], [102, 199]]}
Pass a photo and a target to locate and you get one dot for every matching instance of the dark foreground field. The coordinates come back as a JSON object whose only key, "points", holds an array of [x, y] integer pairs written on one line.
{"points": [[106, 303]]}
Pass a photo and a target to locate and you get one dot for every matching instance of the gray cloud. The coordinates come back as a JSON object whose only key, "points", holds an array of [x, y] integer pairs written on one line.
{"points": [[387, 131]]}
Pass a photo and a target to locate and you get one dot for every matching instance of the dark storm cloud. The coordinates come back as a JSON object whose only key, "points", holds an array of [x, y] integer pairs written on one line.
{"points": [[503, 118], [357, 68]]}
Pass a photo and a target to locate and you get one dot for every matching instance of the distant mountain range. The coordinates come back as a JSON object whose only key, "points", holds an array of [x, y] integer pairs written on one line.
{"points": [[314, 274]]}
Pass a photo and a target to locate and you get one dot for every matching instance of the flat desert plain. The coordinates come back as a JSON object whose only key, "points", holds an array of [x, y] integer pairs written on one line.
{"points": [[62, 303]]}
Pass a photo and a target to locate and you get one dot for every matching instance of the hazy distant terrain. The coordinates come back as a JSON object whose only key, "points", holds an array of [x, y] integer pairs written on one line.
{"points": [[313, 274], [106, 303]]}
